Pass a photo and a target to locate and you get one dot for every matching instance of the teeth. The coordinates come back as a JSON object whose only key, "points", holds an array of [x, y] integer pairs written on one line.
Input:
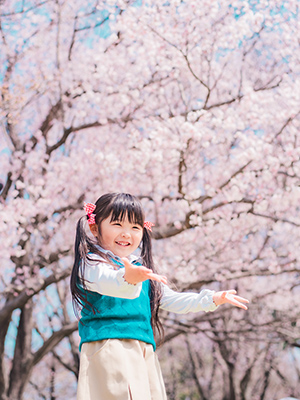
{"points": [[123, 244]]}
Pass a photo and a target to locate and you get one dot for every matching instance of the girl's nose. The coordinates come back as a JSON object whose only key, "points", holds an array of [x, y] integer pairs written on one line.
{"points": [[125, 234]]}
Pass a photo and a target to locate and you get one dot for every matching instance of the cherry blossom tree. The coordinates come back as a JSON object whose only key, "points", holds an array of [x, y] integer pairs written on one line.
{"points": [[193, 107]]}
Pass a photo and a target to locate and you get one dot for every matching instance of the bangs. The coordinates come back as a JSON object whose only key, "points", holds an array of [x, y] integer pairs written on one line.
{"points": [[125, 205]]}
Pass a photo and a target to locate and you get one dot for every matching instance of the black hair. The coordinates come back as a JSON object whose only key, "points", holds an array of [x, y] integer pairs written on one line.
{"points": [[118, 206]]}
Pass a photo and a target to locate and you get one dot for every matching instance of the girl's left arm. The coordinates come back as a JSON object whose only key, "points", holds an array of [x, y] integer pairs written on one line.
{"points": [[206, 300], [183, 303]]}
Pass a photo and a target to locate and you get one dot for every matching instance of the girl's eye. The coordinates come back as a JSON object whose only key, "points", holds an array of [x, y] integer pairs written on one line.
{"points": [[117, 223], [136, 227]]}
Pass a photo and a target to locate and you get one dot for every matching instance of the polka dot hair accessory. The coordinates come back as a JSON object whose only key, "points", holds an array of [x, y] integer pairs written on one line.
{"points": [[148, 225], [89, 208]]}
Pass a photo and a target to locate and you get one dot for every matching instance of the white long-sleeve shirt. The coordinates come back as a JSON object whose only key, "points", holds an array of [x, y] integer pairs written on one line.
{"points": [[103, 278]]}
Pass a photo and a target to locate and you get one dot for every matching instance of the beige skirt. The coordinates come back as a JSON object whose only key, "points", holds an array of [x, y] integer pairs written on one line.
{"points": [[116, 369]]}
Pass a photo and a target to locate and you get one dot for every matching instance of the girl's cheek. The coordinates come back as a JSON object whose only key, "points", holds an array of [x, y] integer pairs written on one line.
{"points": [[138, 235]]}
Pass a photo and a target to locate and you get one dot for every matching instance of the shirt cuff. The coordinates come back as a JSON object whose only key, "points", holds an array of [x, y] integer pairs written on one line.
{"points": [[206, 300]]}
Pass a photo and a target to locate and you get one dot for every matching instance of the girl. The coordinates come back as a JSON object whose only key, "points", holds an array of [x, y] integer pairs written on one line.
{"points": [[119, 295]]}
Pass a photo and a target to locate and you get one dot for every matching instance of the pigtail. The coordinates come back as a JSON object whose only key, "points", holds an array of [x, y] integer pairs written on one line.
{"points": [[155, 287], [83, 245]]}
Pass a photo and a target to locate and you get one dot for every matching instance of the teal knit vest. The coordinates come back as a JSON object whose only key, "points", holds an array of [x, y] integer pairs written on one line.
{"points": [[117, 318]]}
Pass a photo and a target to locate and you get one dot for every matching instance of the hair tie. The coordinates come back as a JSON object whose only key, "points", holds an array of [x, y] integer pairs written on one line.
{"points": [[148, 225], [89, 208]]}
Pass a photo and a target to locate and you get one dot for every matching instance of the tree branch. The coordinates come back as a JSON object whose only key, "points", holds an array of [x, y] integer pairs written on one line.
{"points": [[235, 174], [46, 124], [22, 11], [67, 132], [53, 340], [275, 219], [7, 186], [290, 119], [23, 297]]}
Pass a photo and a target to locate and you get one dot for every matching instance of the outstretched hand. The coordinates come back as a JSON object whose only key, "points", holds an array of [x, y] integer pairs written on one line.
{"points": [[229, 296], [137, 273]]}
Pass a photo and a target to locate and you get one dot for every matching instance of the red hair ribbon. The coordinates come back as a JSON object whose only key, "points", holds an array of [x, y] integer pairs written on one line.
{"points": [[89, 208], [148, 225]]}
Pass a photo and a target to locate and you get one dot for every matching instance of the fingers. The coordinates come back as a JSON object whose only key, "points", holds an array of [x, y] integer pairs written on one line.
{"points": [[238, 301], [226, 292], [233, 293], [241, 299], [240, 305], [158, 278], [125, 261], [229, 296], [155, 277]]}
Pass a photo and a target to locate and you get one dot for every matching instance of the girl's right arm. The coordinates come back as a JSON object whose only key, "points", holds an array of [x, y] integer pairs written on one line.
{"points": [[101, 277]]}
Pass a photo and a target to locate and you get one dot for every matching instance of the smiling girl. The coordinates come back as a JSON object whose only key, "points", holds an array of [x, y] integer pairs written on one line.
{"points": [[119, 296]]}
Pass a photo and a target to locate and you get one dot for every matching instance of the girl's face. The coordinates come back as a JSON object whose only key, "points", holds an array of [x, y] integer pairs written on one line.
{"points": [[120, 237]]}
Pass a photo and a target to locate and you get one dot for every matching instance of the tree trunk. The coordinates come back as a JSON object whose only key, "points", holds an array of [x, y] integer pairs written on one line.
{"points": [[3, 376], [22, 362]]}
